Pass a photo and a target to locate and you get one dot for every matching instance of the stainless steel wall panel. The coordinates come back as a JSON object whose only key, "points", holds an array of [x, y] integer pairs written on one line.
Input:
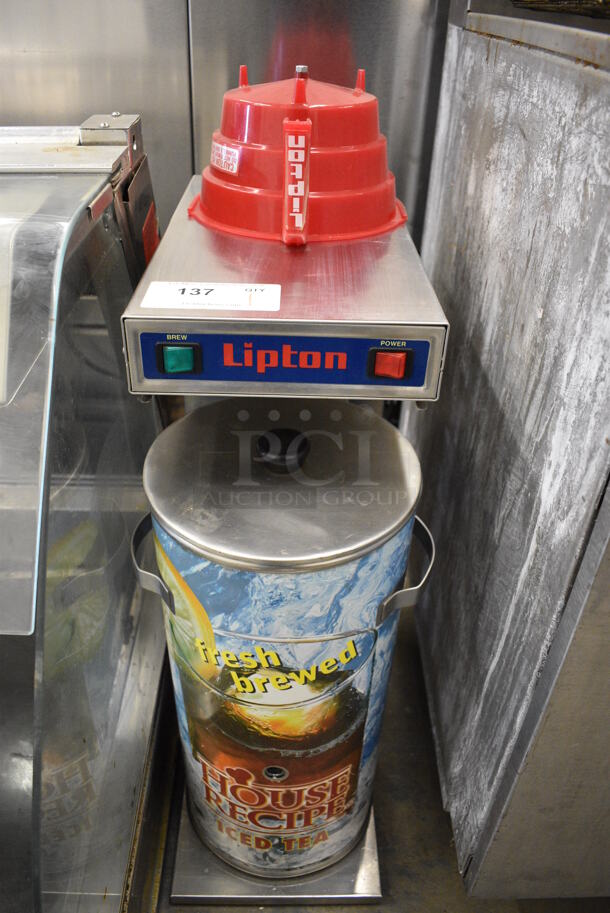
{"points": [[399, 42], [565, 740], [60, 60], [515, 454]]}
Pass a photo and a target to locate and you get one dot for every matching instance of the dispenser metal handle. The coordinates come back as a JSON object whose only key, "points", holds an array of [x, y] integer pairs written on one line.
{"points": [[407, 597], [148, 580], [401, 599]]}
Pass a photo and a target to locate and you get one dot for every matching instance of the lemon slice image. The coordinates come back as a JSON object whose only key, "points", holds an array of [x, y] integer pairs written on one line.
{"points": [[290, 722], [70, 551], [74, 632], [190, 623]]}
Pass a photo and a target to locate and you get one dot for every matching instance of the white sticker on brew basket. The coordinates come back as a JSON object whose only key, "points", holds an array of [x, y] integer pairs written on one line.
{"points": [[224, 157], [212, 296]]}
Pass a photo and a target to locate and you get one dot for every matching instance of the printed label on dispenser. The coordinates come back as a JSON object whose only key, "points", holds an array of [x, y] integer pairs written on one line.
{"points": [[212, 296], [224, 157]]}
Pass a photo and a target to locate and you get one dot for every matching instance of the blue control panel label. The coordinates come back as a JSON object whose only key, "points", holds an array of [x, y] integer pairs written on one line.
{"points": [[292, 359]]}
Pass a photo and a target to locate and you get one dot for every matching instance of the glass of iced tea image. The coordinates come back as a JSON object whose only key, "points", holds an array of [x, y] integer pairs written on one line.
{"points": [[276, 730]]}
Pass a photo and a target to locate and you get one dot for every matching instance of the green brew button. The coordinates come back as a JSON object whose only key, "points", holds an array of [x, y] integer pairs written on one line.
{"points": [[178, 359]]}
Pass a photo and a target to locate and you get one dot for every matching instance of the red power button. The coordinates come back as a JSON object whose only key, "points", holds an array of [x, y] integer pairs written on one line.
{"points": [[390, 364]]}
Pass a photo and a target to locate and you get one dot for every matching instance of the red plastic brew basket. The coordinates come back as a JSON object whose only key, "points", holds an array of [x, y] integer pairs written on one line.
{"points": [[299, 160]]}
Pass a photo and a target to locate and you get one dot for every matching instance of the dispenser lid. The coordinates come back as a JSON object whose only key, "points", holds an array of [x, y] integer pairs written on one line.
{"points": [[217, 482], [299, 160]]}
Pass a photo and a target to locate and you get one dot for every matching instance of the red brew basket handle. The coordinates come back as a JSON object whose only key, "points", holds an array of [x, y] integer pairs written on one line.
{"points": [[297, 146]]}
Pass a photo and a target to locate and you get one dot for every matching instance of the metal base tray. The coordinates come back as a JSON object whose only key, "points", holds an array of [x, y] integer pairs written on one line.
{"points": [[201, 877]]}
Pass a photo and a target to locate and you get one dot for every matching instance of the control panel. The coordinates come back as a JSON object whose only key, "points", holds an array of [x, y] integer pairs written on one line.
{"points": [[295, 359], [183, 360]]}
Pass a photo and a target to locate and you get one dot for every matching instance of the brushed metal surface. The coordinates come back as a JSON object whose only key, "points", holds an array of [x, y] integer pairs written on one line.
{"points": [[201, 877], [101, 654], [559, 806], [582, 37], [562, 15], [516, 245], [37, 158], [19, 857], [130, 714], [374, 286], [39, 214], [70, 439], [41, 135], [359, 483], [61, 61], [399, 44], [581, 43]]}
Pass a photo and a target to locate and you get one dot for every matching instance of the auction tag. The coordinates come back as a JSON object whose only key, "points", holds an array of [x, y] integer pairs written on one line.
{"points": [[212, 296]]}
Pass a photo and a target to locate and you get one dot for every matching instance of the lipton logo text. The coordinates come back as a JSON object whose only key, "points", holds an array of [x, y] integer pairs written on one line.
{"points": [[246, 355]]}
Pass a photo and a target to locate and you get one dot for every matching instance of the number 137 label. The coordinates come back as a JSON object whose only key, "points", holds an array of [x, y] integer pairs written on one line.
{"points": [[212, 296]]}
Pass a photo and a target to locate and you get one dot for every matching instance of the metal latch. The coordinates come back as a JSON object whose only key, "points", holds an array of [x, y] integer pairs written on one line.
{"points": [[114, 129]]}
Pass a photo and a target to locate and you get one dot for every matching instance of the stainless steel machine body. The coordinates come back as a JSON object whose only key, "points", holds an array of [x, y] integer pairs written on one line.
{"points": [[79, 661]]}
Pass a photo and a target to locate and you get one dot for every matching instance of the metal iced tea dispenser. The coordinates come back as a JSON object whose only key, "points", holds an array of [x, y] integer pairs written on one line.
{"points": [[282, 516], [280, 617]]}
